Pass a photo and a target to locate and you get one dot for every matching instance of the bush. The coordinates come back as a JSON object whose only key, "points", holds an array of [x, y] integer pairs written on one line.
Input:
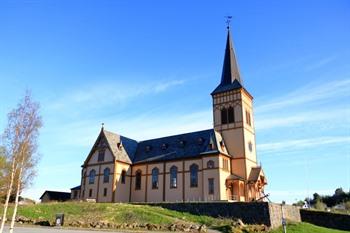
{"points": [[319, 205]]}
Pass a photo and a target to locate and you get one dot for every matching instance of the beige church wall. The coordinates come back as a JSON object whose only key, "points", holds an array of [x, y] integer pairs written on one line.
{"points": [[122, 191], [155, 195], [238, 167], [249, 137], [234, 142], [215, 174], [223, 174], [93, 186], [193, 193], [108, 186], [215, 159], [140, 194], [174, 194], [108, 157]]}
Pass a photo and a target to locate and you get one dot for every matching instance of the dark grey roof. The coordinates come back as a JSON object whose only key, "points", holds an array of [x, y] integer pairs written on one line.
{"points": [[228, 87], [76, 188], [180, 146], [230, 77], [174, 147], [56, 196], [234, 177]]}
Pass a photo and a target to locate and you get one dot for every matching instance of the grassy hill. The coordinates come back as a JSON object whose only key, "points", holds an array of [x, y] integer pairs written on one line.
{"points": [[127, 215]]}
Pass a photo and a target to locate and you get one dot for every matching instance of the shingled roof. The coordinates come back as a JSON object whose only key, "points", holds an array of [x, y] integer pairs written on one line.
{"points": [[254, 174], [230, 77], [180, 146], [174, 147]]}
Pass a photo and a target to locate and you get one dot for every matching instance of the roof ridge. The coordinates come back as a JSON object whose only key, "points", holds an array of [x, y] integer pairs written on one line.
{"points": [[176, 135]]}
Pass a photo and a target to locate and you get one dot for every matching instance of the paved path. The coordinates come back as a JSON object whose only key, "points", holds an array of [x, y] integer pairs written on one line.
{"points": [[20, 229]]}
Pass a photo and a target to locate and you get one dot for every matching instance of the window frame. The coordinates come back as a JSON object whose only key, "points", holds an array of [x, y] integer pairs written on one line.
{"points": [[106, 174], [92, 176], [211, 186], [210, 164], [194, 175], [155, 178], [123, 177], [138, 180], [173, 177], [101, 155]]}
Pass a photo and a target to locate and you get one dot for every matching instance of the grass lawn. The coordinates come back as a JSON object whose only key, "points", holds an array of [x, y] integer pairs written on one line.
{"points": [[116, 213], [306, 228]]}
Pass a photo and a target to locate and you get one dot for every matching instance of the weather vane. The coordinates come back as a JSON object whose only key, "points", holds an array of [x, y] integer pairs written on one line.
{"points": [[228, 21]]}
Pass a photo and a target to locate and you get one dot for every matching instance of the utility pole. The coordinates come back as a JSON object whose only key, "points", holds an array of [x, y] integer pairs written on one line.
{"points": [[284, 223]]}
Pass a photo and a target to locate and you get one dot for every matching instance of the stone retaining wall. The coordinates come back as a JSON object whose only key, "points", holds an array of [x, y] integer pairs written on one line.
{"points": [[325, 219], [265, 213]]}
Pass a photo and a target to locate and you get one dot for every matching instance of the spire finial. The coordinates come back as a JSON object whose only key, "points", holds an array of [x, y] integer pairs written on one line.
{"points": [[228, 21], [102, 125]]}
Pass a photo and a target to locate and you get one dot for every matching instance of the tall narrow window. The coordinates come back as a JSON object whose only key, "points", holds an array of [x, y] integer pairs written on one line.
{"points": [[123, 177], [173, 177], [92, 175], [90, 192], [101, 155], [106, 174], [211, 185], [155, 172], [247, 116], [231, 115], [194, 175], [138, 180], [224, 116], [105, 192]]}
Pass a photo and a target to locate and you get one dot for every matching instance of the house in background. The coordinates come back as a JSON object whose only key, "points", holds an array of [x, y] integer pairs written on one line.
{"points": [[217, 164], [75, 193], [49, 196]]}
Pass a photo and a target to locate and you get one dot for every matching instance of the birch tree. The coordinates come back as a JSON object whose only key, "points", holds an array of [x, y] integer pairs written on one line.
{"points": [[20, 137]]}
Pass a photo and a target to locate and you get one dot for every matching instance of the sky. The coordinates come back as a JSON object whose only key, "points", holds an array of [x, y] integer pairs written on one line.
{"points": [[147, 68]]}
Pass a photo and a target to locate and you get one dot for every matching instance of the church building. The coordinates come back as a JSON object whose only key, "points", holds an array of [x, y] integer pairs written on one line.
{"points": [[217, 164]]}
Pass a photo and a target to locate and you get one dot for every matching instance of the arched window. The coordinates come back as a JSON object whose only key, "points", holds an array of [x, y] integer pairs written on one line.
{"points": [[123, 177], [231, 115], [210, 164], [92, 175], [138, 180], [224, 116], [106, 174], [155, 172], [173, 177], [194, 175]]}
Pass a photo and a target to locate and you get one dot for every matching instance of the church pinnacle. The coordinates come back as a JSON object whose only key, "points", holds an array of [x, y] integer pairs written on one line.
{"points": [[230, 77], [230, 70]]}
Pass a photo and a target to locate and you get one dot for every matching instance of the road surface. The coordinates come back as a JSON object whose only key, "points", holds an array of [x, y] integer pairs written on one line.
{"points": [[20, 229]]}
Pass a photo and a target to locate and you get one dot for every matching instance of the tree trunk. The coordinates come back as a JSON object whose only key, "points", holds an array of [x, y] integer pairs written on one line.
{"points": [[17, 198], [13, 170]]}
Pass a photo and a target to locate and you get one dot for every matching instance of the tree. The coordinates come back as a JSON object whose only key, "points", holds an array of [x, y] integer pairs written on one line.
{"points": [[3, 174], [20, 137]]}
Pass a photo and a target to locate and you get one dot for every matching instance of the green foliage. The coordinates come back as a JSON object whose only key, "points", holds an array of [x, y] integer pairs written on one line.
{"points": [[319, 205], [306, 228], [347, 205], [338, 197]]}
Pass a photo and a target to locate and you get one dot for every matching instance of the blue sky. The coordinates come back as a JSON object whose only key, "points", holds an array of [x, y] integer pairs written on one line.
{"points": [[146, 69]]}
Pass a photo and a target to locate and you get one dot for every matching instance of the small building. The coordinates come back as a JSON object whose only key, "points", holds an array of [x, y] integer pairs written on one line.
{"points": [[75, 193], [55, 196]]}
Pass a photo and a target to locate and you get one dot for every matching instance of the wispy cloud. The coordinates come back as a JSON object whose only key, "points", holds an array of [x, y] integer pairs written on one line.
{"points": [[310, 93], [102, 94], [293, 145], [320, 63]]}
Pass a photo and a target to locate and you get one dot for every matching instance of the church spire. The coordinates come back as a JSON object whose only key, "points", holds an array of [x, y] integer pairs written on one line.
{"points": [[230, 70]]}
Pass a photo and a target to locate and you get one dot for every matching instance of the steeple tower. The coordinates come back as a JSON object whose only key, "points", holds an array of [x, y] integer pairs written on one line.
{"points": [[230, 70], [230, 77], [233, 116]]}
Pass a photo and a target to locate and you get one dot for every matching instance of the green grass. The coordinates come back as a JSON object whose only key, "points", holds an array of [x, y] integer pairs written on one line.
{"points": [[306, 228], [116, 213]]}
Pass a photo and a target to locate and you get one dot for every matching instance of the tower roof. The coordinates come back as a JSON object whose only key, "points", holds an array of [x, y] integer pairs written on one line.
{"points": [[230, 77]]}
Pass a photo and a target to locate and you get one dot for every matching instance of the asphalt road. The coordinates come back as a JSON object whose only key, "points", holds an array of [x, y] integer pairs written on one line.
{"points": [[19, 229]]}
